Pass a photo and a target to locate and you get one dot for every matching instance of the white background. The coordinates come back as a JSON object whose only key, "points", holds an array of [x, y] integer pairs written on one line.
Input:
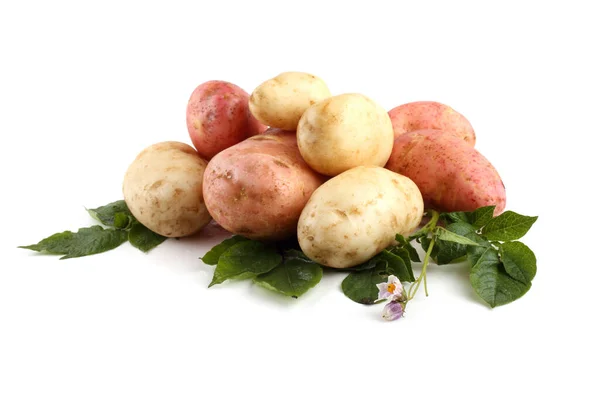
{"points": [[85, 86]]}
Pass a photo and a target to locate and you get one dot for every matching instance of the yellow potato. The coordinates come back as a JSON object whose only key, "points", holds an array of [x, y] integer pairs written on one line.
{"points": [[281, 101], [344, 132], [357, 214], [163, 189]]}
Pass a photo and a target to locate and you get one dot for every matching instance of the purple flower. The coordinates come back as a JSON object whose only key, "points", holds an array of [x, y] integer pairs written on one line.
{"points": [[392, 288], [393, 310]]}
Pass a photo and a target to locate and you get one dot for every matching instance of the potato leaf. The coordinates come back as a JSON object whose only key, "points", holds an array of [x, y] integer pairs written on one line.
{"points": [[492, 283], [405, 244], [445, 252], [143, 238], [213, 255], [360, 286], [115, 215], [398, 265], [477, 219], [84, 242], [456, 216], [449, 236], [369, 264], [480, 217], [244, 260], [508, 226], [294, 277], [519, 261]]}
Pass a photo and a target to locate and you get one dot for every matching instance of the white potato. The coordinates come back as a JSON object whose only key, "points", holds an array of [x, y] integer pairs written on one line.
{"points": [[344, 132], [163, 189], [357, 214], [281, 101]]}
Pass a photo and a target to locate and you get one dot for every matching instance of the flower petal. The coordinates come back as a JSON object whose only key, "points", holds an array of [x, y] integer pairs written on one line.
{"points": [[399, 293], [383, 291], [393, 310]]}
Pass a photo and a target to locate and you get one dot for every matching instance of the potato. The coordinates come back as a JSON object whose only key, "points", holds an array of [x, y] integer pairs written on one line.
{"points": [[451, 175], [277, 131], [431, 115], [259, 187], [218, 117], [344, 132], [163, 189], [356, 214], [281, 101]]}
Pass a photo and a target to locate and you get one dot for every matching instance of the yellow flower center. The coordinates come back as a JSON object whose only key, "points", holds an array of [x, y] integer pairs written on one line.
{"points": [[391, 287]]}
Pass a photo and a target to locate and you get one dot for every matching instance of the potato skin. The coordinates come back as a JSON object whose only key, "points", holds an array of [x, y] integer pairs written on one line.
{"points": [[259, 187], [163, 189], [218, 117], [451, 175], [280, 102], [431, 115], [343, 132], [356, 214]]}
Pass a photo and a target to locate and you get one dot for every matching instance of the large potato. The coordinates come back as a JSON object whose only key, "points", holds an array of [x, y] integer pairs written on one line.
{"points": [[356, 214], [163, 189], [344, 132], [281, 101], [259, 187], [218, 117], [451, 175], [431, 115]]}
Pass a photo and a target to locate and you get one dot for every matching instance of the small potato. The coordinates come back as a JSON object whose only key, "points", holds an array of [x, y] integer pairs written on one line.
{"points": [[431, 115], [344, 132], [218, 117], [356, 214], [281, 101], [259, 187], [451, 175], [163, 189]]}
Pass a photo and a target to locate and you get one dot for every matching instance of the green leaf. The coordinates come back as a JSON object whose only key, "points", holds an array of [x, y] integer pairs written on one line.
{"points": [[213, 255], [398, 265], [244, 260], [414, 256], [446, 252], [477, 218], [449, 236], [116, 215], [480, 217], [122, 221], [492, 283], [360, 286], [294, 253], [371, 263], [508, 226], [456, 216], [143, 238], [84, 242], [519, 261], [474, 252], [425, 241], [293, 277]]}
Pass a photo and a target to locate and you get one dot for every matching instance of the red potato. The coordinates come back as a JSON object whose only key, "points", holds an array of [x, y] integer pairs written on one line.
{"points": [[218, 117], [451, 175], [431, 115], [259, 187]]}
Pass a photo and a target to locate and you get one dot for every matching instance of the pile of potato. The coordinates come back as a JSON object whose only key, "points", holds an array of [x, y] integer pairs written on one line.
{"points": [[339, 171]]}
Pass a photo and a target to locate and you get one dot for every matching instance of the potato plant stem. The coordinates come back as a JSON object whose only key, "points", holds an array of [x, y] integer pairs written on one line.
{"points": [[428, 228]]}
